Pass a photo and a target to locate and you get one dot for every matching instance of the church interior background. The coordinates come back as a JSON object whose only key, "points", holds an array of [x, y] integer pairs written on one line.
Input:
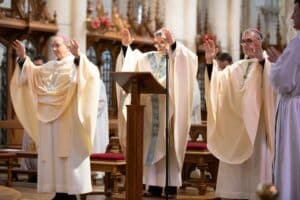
{"points": [[95, 25]]}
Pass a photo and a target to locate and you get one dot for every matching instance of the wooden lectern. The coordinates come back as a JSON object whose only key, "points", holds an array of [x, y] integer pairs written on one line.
{"points": [[136, 83]]}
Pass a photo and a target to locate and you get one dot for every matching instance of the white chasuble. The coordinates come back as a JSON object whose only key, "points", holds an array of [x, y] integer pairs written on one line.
{"points": [[241, 113], [182, 75], [55, 103]]}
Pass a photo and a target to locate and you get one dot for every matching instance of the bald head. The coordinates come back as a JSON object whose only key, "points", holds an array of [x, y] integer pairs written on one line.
{"points": [[60, 46], [64, 37]]}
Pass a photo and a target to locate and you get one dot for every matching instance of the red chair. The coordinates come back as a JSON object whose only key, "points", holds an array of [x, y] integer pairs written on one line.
{"points": [[114, 166]]}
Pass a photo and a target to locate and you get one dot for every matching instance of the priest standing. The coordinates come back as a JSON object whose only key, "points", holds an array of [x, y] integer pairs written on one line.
{"points": [[61, 97], [182, 77], [241, 113]]}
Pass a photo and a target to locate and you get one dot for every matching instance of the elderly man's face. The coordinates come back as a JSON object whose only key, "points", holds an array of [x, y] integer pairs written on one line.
{"points": [[296, 16], [250, 43], [160, 43], [59, 48]]}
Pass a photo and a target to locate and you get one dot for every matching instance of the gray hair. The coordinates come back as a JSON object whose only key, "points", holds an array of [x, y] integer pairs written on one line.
{"points": [[257, 33]]}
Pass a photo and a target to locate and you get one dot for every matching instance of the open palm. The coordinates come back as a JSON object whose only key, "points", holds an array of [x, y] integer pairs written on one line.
{"points": [[74, 48], [210, 50], [19, 48], [126, 37]]}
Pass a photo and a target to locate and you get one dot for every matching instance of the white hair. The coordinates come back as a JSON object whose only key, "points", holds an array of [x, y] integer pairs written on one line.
{"points": [[64, 37]]}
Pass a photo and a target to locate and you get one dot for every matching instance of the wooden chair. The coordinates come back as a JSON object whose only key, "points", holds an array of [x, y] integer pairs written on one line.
{"points": [[113, 164], [8, 157], [197, 155], [11, 166]]}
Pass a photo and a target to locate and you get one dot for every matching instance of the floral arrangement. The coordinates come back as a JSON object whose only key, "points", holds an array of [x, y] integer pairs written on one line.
{"points": [[102, 23]]}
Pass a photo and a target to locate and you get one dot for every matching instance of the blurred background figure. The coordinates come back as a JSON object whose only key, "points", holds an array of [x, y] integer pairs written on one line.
{"points": [[101, 138], [223, 59]]}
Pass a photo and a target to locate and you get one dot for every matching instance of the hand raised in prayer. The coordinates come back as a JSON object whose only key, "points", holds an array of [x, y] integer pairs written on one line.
{"points": [[74, 48], [19, 48], [210, 51], [126, 37], [257, 51], [273, 54], [168, 35]]}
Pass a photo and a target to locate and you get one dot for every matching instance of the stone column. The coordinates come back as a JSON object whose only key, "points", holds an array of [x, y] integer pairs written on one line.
{"points": [[181, 18], [218, 20], [71, 15], [78, 23], [234, 29], [63, 12], [224, 20]]}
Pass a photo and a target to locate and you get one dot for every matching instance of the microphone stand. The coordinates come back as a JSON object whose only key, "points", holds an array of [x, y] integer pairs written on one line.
{"points": [[167, 126]]}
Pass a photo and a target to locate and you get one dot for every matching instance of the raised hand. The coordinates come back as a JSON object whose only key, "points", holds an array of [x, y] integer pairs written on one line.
{"points": [[273, 54], [126, 37], [257, 51], [19, 48], [210, 51], [74, 48], [169, 35]]}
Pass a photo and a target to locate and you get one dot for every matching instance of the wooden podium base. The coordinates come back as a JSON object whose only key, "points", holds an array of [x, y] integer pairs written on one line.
{"points": [[136, 83], [134, 152]]}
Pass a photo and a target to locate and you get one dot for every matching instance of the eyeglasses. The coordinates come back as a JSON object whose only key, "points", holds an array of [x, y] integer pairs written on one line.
{"points": [[56, 45], [246, 41]]}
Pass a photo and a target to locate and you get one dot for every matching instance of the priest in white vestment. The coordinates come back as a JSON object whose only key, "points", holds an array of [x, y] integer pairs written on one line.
{"points": [[55, 103], [285, 79], [101, 138], [182, 77], [241, 113]]}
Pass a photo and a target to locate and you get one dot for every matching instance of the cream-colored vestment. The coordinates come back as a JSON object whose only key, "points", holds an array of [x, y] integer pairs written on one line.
{"points": [[241, 113], [55, 103], [182, 75]]}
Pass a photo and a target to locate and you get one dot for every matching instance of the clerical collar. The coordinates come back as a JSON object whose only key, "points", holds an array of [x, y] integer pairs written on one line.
{"points": [[66, 59], [68, 55]]}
